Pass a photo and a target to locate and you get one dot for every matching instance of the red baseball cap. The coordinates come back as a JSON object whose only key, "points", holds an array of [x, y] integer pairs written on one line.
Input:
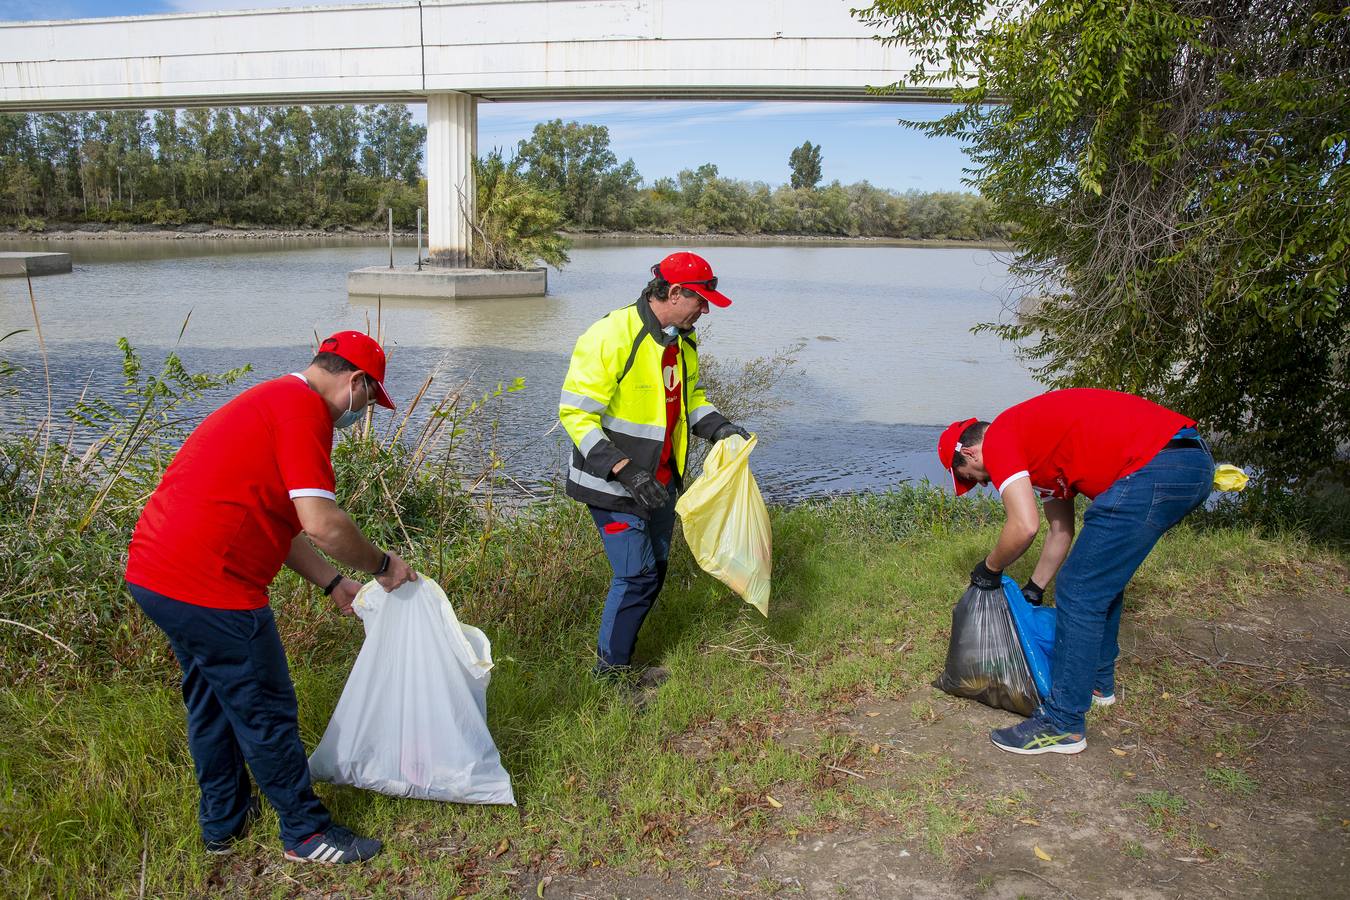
{"points": [[362, 351], [948, 443], [689, 270]]}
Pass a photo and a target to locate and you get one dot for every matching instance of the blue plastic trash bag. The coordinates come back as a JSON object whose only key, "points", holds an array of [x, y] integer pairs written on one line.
{"points": [[1035, 627]]}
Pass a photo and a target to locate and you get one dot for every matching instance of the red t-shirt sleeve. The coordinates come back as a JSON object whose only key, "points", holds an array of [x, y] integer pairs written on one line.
{"points": [[1003, 457], [304, 456]]}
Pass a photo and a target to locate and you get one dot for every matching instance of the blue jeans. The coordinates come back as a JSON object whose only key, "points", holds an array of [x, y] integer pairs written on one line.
{"points": [[1119, 529], [240, 709], [637, 549]]}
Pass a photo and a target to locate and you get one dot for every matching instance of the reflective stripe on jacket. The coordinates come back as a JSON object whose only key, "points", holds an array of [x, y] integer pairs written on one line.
{"points": [[613, 405]]}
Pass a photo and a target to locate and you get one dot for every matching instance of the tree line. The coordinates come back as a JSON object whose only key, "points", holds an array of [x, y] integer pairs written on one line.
{"points": [[320, 167], [574, 162], [293, 166]]}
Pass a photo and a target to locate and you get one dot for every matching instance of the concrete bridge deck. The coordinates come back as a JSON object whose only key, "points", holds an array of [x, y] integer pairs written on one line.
{"points": [[452, 54]]}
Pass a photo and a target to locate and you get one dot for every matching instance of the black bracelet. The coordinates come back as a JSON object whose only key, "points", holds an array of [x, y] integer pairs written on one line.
{"points": [[384, 566], [332, 585]]}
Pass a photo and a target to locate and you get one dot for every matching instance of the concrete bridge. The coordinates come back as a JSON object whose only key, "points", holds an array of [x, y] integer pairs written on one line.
{"points": [[452, 55]]}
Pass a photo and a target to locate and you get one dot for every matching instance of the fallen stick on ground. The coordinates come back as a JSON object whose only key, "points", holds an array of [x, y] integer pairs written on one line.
{"points": [[1046, 880]]}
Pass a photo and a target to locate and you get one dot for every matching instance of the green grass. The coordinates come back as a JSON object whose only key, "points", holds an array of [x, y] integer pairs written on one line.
{"points": [[105, 757], [96, 784], [1169, 815], [95, 770], [1234, 781]]}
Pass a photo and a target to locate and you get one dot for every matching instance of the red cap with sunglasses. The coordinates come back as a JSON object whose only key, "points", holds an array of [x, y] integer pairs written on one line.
{"points": [[691, 271], [362, 351]]}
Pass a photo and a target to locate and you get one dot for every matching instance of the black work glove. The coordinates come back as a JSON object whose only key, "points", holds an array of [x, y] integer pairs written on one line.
{"points": [[985, 578], [1034, 593], [649, 493], [727, 429]]}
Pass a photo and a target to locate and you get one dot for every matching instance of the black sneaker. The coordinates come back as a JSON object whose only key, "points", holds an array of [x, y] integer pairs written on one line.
{"points": [[336, 845], [653, 676], [226, 847], [221, 848]]}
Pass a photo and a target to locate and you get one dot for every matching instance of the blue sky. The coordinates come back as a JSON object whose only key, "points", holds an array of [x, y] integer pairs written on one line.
{"points": [[751, 141]]}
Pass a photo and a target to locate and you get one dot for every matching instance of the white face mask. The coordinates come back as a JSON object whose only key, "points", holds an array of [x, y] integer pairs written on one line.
{"points": [[351, 415]]}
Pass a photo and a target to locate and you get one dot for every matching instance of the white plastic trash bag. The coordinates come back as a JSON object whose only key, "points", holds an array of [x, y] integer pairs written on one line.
{"points": [[412, 719]]}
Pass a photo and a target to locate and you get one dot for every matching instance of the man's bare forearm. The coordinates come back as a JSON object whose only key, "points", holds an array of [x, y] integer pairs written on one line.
{"points": [[334, 532], [1053, 554], [1060, 516], [306, 562]]}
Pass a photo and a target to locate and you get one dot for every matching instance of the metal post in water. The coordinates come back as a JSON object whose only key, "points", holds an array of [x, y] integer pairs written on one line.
{"points": [[419, 238], [391, 237]]}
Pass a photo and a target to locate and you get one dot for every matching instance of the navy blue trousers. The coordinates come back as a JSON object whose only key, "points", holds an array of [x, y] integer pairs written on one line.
{"points": [[638, 550], [241, 710]]}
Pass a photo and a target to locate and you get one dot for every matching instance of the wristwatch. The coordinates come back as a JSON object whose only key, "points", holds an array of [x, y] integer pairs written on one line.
{"points": [[384, 566]]}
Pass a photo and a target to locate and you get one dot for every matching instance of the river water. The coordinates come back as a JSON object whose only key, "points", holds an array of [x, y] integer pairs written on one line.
{"points": [[886, 357]]}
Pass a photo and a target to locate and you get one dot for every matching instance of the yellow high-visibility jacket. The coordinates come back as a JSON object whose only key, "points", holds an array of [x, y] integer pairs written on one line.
{"points": [[613, 405]]}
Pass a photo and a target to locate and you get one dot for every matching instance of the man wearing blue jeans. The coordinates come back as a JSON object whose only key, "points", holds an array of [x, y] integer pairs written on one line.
{"points": [[1143, 466], [630, 403]]}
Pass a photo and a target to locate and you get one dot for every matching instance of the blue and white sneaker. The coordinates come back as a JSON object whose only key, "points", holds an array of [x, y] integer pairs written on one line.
{"points": [[334, 846], [1036, 735]]}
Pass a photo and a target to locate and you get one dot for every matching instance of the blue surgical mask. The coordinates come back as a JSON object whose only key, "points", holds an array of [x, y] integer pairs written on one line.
{"points": [[670, 331], [350, 416]]}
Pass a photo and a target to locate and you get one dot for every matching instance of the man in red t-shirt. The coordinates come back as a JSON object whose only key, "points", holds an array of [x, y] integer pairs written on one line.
{"points": [[251, 490], [1143, 466]]}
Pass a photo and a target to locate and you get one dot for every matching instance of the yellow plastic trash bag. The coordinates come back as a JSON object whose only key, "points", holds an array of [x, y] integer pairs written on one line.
{"points": [[1229, 478], [726, 523]]}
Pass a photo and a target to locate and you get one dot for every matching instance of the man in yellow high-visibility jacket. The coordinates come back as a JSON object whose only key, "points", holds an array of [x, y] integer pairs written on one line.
{"points": [[629, 403]]}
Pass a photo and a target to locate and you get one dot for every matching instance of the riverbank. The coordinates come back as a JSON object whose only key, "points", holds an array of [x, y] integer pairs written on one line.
{"points": [[802, 755], [785, 239], [99, 232]]}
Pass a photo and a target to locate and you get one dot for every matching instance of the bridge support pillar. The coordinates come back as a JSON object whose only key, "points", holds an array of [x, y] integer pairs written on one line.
{"points": [[452, 144]]}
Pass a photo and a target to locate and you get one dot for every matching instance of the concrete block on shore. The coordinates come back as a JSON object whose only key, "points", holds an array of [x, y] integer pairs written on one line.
{"points": [[446, 283], [18, 263]]}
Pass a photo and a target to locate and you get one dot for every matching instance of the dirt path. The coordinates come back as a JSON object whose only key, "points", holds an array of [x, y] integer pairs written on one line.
{"points": [[1222, 772]]}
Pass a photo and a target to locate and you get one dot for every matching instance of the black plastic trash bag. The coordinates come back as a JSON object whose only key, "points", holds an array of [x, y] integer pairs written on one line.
{"points": [[984, 659]]}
